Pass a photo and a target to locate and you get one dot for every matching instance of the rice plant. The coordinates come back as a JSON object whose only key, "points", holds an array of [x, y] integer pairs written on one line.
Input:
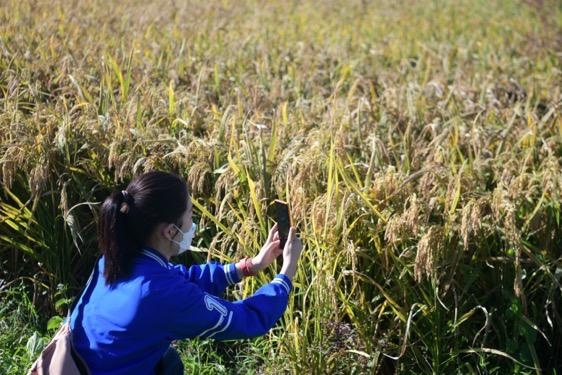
{"points": [[418, 144]]}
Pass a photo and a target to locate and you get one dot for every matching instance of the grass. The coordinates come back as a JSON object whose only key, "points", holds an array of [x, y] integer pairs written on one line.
{"points": [[20, 327], [417, 143]]}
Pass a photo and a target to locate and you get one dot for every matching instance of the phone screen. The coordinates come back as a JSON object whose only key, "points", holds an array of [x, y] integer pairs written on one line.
{"points": [[283, 220]]}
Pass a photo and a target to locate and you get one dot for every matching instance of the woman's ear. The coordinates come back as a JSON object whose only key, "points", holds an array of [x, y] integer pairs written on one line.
{"points": [[169, 231]]}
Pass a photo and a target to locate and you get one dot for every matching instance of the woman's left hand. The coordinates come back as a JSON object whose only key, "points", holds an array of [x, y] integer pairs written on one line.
{"points": [[268, 252]]}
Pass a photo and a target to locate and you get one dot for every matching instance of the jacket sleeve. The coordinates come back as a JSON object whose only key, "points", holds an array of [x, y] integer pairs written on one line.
{"points": [[212, 277], [200, 314]]}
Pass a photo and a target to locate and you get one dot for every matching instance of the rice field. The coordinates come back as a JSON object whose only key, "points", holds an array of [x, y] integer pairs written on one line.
{"points": [[418, 143]]}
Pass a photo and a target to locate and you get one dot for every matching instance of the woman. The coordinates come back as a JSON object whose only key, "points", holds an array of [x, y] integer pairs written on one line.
{"points": [[138, 302]]}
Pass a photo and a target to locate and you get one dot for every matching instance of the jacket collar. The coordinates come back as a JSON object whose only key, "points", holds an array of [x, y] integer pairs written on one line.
{"points": [[155, 255]]}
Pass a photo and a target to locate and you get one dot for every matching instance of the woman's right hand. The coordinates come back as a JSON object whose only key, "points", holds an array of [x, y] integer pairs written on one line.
{"points": [[291, 254]]}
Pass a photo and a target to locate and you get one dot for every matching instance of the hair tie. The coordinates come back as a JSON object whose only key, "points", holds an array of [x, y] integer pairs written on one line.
{"points": [[126, 205]]}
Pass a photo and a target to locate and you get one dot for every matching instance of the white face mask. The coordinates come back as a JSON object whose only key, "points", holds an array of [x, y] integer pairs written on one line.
{"points": [[186, 239]]}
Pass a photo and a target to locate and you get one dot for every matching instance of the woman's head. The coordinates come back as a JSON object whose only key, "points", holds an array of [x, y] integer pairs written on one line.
{"points": [[153, 209]]}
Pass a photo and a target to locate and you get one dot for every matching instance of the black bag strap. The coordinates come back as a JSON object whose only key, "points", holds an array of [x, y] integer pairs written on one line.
{"points": [[93, 275]]}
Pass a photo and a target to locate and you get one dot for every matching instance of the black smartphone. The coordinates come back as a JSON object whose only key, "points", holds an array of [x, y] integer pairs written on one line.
{"points": [[283, 220]]}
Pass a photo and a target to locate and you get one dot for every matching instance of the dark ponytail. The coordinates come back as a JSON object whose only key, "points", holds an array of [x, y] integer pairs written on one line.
{"points": [[128, 217]]}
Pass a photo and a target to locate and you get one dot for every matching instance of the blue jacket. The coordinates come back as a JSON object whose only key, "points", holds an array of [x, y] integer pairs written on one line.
{"points": [[127, 327]]}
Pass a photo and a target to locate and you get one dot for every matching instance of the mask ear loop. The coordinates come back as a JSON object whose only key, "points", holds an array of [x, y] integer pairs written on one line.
{"points": [[175, 234], [178, 230]]}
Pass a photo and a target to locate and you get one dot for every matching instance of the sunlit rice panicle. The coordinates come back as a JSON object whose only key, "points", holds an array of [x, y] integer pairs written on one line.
{"points": [[477, 215], [498, 203], [12, 160], [386, 184], [428, 183], [429, 248], [551, 179], [38, 178], [64, 200], [151, 164], [199, 177], [113, 157], [393, 230], [465, 223], [471, 219], [318, 211], [225, 182], [298, 202], [504, 212], [412, 215], [307, 166], [510, 226], [519, 186]]}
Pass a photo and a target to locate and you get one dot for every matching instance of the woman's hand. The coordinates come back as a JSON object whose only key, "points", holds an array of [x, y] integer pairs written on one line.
{"points": [[291, 254], [268, 252]]}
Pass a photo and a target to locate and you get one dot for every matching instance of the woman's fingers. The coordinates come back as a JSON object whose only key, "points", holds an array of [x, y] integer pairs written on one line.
{"points": [[290, 237], [273, 245], [292, 233], [277, 250], [272, 232]]}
